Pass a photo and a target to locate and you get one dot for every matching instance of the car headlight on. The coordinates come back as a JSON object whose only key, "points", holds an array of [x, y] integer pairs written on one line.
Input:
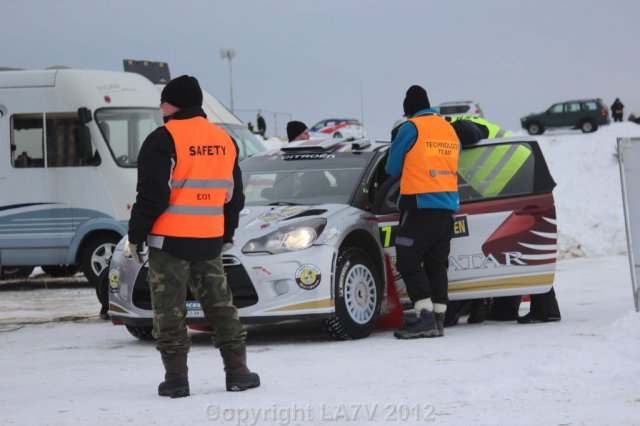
{"points": [[294, 237]]}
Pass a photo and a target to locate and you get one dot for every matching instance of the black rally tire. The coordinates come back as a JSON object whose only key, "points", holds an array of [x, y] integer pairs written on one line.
{"points": [[96, 254], [358, 295], [139, 332]]}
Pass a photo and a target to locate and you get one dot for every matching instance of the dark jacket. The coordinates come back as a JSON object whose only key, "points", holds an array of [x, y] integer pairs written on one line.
{"points": [[155, 164]]}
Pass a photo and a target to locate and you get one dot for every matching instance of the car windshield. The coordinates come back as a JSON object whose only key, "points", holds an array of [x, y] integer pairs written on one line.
{"points": [[124, 130], [248, 144], [328, 179]]}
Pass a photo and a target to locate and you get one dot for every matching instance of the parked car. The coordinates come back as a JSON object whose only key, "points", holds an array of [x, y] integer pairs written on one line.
{"points": [[635, 116], [320, 223], [450, 109], [337, 128], [585, 114]]}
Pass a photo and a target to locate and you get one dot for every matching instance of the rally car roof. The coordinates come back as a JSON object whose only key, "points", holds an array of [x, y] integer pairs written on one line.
{"points": [[329, 145]]}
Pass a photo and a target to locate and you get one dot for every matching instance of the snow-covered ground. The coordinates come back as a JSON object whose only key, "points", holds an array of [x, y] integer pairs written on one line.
{"points": [[60, 365]]}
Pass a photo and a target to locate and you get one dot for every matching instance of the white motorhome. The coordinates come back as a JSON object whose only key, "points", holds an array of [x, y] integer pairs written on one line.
{"points": [[69, 142]]}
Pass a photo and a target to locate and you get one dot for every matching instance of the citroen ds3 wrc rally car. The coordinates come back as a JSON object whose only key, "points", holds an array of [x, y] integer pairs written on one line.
{"points": [[320, 218]]}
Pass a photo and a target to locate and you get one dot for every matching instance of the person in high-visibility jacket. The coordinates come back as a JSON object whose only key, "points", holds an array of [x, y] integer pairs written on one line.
{"points": [[424, 154], [490, 130], [491, 168], [189, 198]]}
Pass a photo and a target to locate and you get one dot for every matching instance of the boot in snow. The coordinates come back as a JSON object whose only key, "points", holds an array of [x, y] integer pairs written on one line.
{"points": [[176, 382], [238, 376], [426, 326]]}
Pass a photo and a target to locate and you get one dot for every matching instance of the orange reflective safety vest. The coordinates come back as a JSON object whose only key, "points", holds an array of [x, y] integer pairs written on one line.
{"points": [[199, 181], [431, 165]]}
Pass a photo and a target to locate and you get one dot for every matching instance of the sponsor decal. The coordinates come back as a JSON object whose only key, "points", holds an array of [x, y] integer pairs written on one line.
{"points": [[465, 262], [280, 214], [460, 226], [388, 232], [308, 156], [308, 276], [114, 281]]}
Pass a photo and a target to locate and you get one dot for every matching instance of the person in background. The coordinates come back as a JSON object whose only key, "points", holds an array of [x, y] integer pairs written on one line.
{"points": [[187, 224], [262, 125], [617, 110], [424, 154], [297, 131]]}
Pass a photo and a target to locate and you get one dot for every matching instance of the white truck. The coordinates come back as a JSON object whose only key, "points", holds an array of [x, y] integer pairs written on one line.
{"points": [[69, 142]]}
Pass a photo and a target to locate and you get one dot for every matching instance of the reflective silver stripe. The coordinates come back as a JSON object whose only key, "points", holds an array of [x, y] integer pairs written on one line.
{"points": [[195, 210], [497, 169], [201, 183], [155, 241], [501, 133]]}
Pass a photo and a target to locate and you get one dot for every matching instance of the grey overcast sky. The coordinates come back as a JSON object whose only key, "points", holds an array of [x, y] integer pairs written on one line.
{"points": [[318, 59]]}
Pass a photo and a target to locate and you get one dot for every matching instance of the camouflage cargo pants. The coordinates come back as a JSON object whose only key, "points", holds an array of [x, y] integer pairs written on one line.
{"points": [[169, 277]]}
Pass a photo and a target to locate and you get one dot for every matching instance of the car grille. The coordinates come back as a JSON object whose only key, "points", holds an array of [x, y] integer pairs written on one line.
{"points": [[241, 287]]}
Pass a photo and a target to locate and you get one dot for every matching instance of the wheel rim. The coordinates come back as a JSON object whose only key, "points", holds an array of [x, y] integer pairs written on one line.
{"points": [[101, 257], [587, 127], [533, 128], [360, 294]]}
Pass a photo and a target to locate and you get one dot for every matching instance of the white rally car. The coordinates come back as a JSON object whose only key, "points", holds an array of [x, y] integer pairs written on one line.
{"points": [[337, 128], [319, 224]]}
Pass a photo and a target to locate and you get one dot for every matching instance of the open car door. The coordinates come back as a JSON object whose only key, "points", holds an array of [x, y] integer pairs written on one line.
{"points": [[505, 233]]}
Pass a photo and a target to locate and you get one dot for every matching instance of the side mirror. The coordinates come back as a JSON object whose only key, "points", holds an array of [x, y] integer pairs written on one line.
{"points": [[84, 115]]}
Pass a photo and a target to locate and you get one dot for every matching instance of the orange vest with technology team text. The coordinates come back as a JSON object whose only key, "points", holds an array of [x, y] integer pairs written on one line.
{"points": [[431, 165]]}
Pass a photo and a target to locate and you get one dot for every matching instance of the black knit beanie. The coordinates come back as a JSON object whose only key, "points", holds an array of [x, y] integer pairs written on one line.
{"points": [[415, 100], [295, 129], [182, 92]]}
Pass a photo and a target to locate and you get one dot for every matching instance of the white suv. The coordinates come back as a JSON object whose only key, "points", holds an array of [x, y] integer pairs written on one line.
{"points": [[450, 109]]}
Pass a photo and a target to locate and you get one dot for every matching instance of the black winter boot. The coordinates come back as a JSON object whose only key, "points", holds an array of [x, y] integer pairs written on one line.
{"points": [[176, 382], [426, 326], [238, 376]]}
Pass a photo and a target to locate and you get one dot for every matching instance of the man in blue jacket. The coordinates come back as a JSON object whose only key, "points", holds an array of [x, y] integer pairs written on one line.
{"points": [[424, 154]]}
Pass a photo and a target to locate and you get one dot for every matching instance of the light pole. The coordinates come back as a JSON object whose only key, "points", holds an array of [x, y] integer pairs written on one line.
{"points": [[229, 54]]}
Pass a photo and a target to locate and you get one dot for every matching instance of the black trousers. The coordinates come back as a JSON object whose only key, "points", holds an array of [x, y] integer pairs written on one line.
{"points": [[423, 243]]}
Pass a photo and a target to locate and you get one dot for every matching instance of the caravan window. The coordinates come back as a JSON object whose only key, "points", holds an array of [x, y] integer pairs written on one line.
{"points": [[60, 136], [27, 141], [125, 129]]}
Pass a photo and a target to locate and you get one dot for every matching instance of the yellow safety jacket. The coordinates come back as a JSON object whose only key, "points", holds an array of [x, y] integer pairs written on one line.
{"points": [[495, 131]]}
